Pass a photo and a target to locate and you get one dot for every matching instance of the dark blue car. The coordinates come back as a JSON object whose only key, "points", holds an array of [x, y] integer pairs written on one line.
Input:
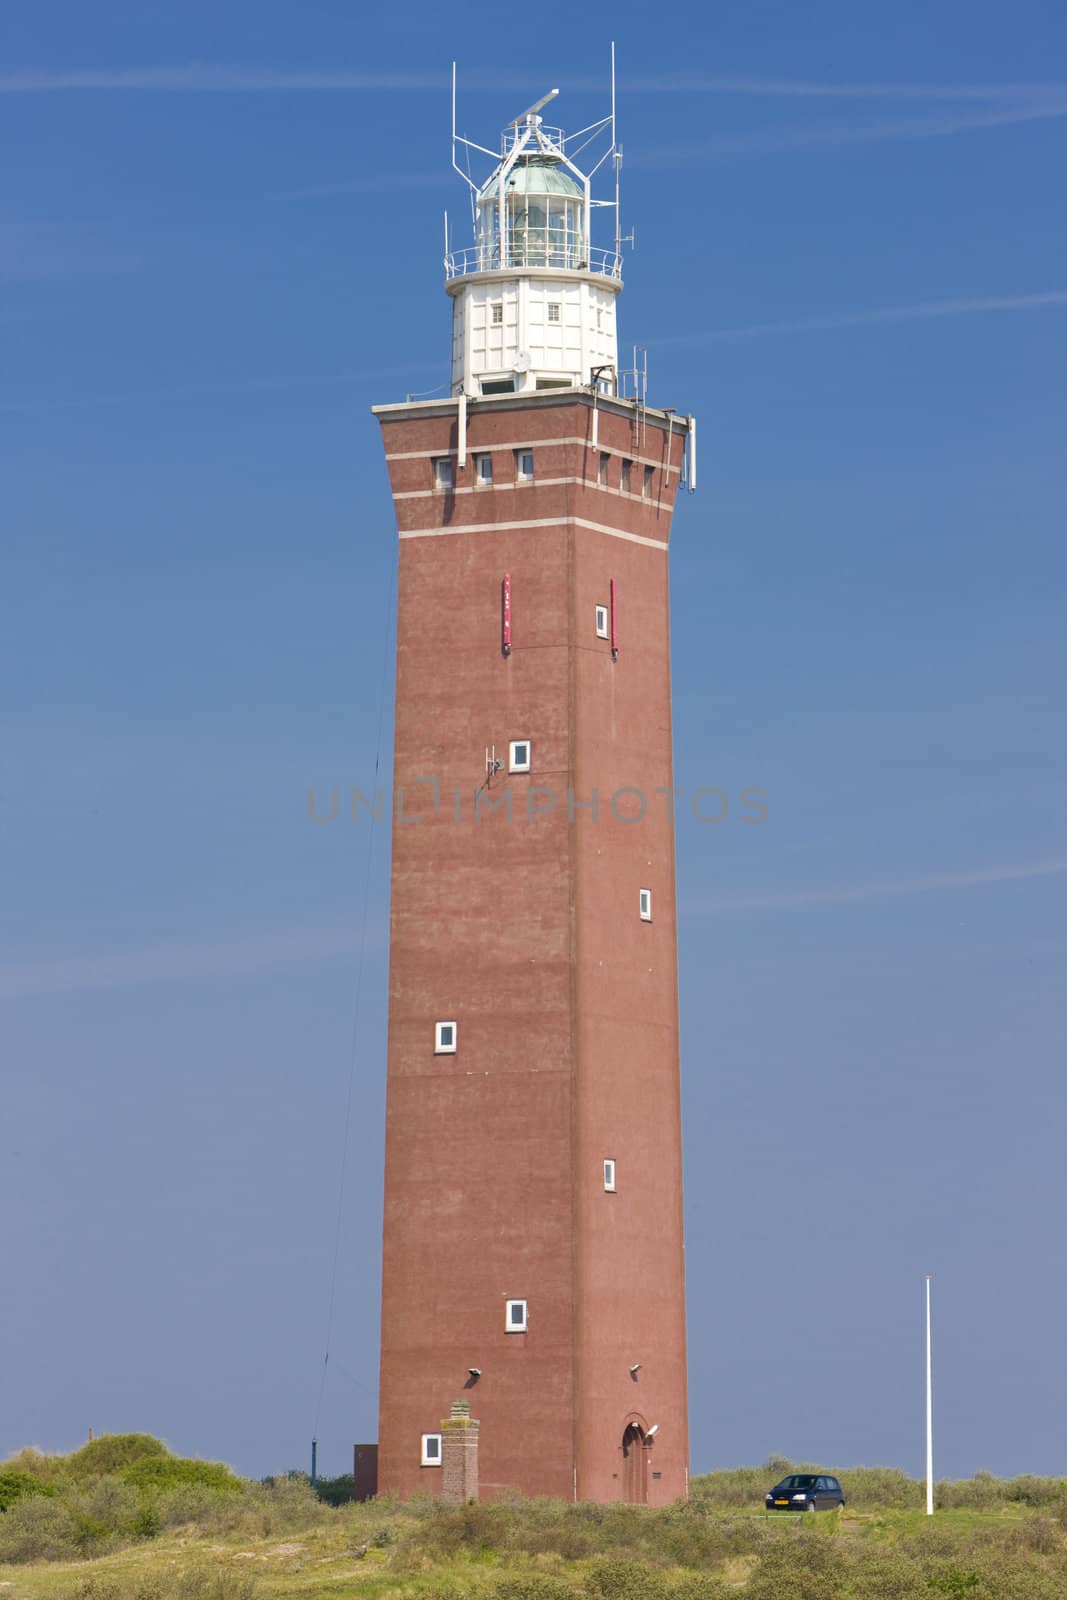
{"points": [[805, 1491]]}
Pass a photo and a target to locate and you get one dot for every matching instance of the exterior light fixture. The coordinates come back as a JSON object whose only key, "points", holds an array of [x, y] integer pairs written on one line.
{"points": [[475, 1372]]}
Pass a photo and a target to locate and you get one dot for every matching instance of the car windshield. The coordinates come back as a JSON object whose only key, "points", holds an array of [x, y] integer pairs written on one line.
{"points": [[798, 1480]]}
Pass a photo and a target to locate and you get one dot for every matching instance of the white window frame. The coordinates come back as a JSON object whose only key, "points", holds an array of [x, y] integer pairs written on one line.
{"points": [[444, 473], [514, 764], [427, 1460], [516, 1327], [496, 313], [602, 620], [644, 904], [483, 469], [609, 1174], [521, 473], [440, 1048], [555, 311]]}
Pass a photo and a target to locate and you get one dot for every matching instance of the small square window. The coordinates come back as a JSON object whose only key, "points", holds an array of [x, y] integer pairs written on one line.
{"points": [[645, 904], [483, 466], [443, 475], [627, 469], [497, 313], [524, 465], [609, 1176], [515, 1318], [519, 755], [444, 1038], [431, 1450], [646, 484], [602, 467], [553, 311], [602, 622]]}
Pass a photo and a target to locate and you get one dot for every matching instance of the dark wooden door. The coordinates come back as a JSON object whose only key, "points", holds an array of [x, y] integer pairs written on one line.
{"points": [[634, 1466]]}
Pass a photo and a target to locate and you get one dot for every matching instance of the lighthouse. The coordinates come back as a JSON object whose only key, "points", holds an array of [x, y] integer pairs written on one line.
{"points": [[533, 1297]]}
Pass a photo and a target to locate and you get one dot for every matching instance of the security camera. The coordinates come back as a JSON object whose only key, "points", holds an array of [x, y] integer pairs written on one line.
{"points": [[475, 1372], [635, 1369], [654, 1429]]}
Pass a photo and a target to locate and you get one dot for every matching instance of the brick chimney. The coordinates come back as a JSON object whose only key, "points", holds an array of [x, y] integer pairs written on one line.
{"points": [[459, 1455]]}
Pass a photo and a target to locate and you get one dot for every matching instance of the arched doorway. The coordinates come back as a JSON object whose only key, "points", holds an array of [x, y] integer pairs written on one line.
{"points": [[634, 1465]]}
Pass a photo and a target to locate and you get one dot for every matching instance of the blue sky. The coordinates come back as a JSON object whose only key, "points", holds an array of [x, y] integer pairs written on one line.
{"points": [[220, 239]]}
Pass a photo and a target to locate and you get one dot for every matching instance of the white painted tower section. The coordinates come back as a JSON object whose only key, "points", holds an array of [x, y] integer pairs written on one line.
{"points": [[533, 300], [524, 330]]}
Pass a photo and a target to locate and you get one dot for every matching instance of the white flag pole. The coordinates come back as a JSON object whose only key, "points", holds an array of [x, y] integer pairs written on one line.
{"points": [[929, 1413]]}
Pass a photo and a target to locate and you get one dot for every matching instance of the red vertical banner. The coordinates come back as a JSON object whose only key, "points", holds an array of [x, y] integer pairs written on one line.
{"points": [[505, 614], [614, 622]]}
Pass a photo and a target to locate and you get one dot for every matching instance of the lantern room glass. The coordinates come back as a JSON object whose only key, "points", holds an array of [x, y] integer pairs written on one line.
{"points": [[542, 231]]}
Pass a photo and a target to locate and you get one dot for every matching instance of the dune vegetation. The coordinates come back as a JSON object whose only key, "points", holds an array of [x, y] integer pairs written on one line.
{"points": [[124, 1519]]}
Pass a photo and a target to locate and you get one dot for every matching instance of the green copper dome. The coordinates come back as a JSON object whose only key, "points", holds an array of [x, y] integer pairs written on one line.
{"points": [[535, 175]]}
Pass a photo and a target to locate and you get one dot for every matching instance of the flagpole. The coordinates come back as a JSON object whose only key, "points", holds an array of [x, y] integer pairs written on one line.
{"points": [[929, 1413]]}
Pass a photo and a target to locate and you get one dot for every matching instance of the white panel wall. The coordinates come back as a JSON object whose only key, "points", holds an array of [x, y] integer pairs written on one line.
{"points": [[565, 326]]}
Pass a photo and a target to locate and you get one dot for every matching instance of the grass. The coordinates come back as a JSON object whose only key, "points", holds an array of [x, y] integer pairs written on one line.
{"points": [[132, 1522]]}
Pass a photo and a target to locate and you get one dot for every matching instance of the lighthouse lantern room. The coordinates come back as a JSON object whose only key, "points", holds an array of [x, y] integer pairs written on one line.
{"points": [[533, 299]]}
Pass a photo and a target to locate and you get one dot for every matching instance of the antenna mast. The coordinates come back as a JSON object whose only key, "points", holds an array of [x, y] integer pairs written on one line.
{"points": [[616, 158]]}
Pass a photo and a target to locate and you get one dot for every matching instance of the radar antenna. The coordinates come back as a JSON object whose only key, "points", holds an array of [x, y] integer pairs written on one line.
{"points": [[537, 106]]}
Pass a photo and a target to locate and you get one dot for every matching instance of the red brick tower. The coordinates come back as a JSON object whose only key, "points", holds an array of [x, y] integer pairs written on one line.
{"points": [[533, 1255]]}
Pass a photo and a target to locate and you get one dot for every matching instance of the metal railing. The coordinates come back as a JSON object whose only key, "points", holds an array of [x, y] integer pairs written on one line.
{"points": [[537, 250], [549, 139]]}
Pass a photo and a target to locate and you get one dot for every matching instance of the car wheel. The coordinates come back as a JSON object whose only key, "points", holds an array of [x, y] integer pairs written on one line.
{"points": [[810, 1506]]}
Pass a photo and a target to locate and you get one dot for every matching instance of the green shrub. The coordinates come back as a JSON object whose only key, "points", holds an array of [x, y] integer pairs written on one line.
{"points": [[14, 1485], [111, 1453], [265, 1509], [187, 1503], [196, 1583], [38, 1528], [104, 1510], [29, 1460], [742, 1486], [810, 1567], [701, 1586], [984, 1492], [692, 1536], [167, 1472], [620, 1579], [880, 1489], [533, 1586], [335, 1491]]}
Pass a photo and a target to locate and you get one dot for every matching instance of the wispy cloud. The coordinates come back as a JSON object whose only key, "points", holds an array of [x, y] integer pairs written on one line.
{"points": [[785, 88], [244, 78], [769, 141], [976, 305], [205, 78], [996, 104], [931, 884], [174, 963]]}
